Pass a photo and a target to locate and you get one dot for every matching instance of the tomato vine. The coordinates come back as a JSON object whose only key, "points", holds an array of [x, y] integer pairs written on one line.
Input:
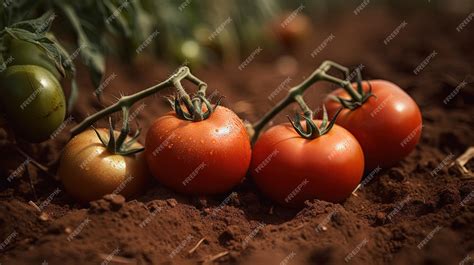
{"points": [[295, 95], [194, 105]]}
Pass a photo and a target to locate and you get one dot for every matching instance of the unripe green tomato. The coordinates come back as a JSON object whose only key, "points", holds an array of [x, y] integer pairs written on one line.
{"points": [[33, 101], [27, 53]]}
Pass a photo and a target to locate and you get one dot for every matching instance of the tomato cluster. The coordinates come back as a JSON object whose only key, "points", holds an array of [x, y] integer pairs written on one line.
{"points": [[201, 149], [377, 131], [31, 96]]}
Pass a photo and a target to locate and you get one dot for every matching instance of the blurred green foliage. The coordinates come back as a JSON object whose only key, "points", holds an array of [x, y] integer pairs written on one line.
{"points": [[192, 31]]}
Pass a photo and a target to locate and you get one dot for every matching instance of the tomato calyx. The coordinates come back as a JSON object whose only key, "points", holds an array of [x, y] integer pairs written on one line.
{"points": [[120, 145], [358, 97], [312, 130], [193, 108]]}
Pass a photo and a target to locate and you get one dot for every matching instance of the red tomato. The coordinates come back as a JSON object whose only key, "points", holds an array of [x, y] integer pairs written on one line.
{"points": [[290, 169], [205, 157], [387, 126]]}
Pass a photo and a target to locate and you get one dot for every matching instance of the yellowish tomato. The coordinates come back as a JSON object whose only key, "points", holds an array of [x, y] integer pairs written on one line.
{"points": [[89, 171]]}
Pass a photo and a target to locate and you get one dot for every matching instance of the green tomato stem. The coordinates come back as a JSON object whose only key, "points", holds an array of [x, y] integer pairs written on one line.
{"points": [[345, 84], [128, 101], [304, 107], [295, 94]]}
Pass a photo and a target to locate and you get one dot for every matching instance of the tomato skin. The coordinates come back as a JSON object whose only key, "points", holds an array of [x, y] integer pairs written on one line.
{"points": [[89, 171], [387, 126], [205, 157], [27, 53], [32, 100], [327, 168]]}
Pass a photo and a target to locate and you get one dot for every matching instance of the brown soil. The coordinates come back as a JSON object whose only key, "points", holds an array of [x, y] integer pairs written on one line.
{"points": [[386, 223]]}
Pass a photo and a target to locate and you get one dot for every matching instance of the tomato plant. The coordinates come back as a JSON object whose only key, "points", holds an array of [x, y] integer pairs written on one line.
{"points": [[199, 157], [32, 100], [32, 65], [385, 120], [315, 159], [92, 166], [290, 166]]}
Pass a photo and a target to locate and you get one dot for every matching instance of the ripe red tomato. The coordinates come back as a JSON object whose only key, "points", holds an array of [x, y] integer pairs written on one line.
{"points": [[204, 157], [291, 169], [387, 126]]}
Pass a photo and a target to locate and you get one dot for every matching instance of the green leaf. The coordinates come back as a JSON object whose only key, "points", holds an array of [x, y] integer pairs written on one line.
{"points": [[16, 10], [63, 55], [42, 41], [39, 25], [115, 20], [90, 51]]}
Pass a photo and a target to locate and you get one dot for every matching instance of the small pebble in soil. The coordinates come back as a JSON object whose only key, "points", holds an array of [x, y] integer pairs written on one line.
{"points": [[99, 206], [172, 202], [116, 201], [380, 218], [43, 217], [159, 203], [228, 220], [200, 202]]}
